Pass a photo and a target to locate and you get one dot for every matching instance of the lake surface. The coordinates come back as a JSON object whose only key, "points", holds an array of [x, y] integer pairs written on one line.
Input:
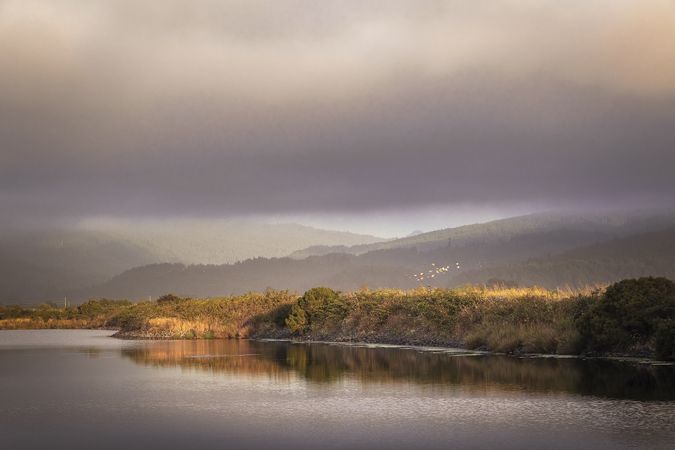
{"points": [[84, 389]]}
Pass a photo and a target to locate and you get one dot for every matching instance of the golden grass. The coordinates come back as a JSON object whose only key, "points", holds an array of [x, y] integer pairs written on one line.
{"points": [[201, 327], [38, 324]]}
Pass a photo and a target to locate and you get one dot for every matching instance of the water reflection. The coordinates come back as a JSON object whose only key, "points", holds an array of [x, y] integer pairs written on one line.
{"points": [[321, 363], [82, 389]]}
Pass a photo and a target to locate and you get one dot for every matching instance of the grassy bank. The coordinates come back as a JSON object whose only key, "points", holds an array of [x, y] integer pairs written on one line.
{"points": [[529, 320], [634, 317], [90, 315]]}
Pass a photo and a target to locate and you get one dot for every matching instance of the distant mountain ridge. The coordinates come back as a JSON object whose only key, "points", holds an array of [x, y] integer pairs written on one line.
{"points": [[192, 241], [603, 226], [471, 259], [647, 254], [47, 264]]}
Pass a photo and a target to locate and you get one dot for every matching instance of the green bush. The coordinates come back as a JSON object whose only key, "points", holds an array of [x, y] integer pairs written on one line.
{"points": [[297, 319], [128, 318], [315, 307], [101, 307], [170, 298], [14, 312], [208, 334], [627, 315], [664, 340]]}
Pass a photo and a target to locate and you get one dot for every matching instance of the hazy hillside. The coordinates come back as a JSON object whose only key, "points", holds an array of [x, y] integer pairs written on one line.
{"points": [[38, 265], [340, 271], [525, 259], [44, 265], [224, 241], [634, 256], [521, 249], [596, 227]]}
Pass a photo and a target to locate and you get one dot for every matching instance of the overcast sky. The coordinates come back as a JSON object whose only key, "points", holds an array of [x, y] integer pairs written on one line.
{"points": [[334, 111]]}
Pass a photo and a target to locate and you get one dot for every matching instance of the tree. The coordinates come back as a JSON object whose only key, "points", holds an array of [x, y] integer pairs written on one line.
{"points": [[316, 306], [629, 314]]}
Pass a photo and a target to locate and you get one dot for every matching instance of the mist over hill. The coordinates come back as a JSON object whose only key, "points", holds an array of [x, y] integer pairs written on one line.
{"points": [[549, 249], [648, 254], [40, 265], [596, 226], [48, 264], [192, 241]]}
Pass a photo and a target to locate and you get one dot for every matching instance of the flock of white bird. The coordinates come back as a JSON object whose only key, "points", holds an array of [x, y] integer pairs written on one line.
{"points": [[435, 270]]}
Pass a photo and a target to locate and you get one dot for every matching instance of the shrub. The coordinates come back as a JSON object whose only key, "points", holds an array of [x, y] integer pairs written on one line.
{"points": [[316, 306], [208, 334], [297, 319], [170, 298], [664, 340], [627, 315], [14, 312], [93, 308]]}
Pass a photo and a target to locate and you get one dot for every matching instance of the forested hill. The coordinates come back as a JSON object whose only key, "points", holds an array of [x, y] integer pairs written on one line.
{"points": [[639, 255], [340, 271], [644, 254], [595, 226], [46, 264]]}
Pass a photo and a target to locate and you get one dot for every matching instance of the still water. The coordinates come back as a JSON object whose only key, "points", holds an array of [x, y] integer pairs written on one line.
{"points": [[84, 389]]}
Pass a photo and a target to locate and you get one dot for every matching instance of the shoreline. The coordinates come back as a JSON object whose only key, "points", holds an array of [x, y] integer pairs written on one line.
{"points": [[452, 350], [519, 322], [460, 351], [448, 350]]}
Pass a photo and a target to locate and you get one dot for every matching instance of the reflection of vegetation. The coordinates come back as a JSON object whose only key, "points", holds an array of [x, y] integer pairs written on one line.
{"points": [[631, 317], [321, 363], [237, 357]]}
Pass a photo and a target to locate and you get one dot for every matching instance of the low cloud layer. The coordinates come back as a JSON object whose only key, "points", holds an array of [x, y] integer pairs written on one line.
{"points": [[212, 108]]}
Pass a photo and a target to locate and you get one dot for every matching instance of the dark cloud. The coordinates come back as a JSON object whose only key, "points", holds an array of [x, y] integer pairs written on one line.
{"points": [[208, 108]]}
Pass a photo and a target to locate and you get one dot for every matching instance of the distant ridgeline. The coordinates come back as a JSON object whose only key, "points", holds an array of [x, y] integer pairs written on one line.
{"points": [[632, 317], [549, 250], [39, 265]]}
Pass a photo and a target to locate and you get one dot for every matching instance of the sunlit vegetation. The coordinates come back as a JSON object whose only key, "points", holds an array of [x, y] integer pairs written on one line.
{"points": [[253, 314], [630, 317], [506, 320], [91, 314]]}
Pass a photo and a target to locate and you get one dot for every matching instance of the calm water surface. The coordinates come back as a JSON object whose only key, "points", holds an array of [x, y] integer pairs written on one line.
{"points": [[84, 389]]}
